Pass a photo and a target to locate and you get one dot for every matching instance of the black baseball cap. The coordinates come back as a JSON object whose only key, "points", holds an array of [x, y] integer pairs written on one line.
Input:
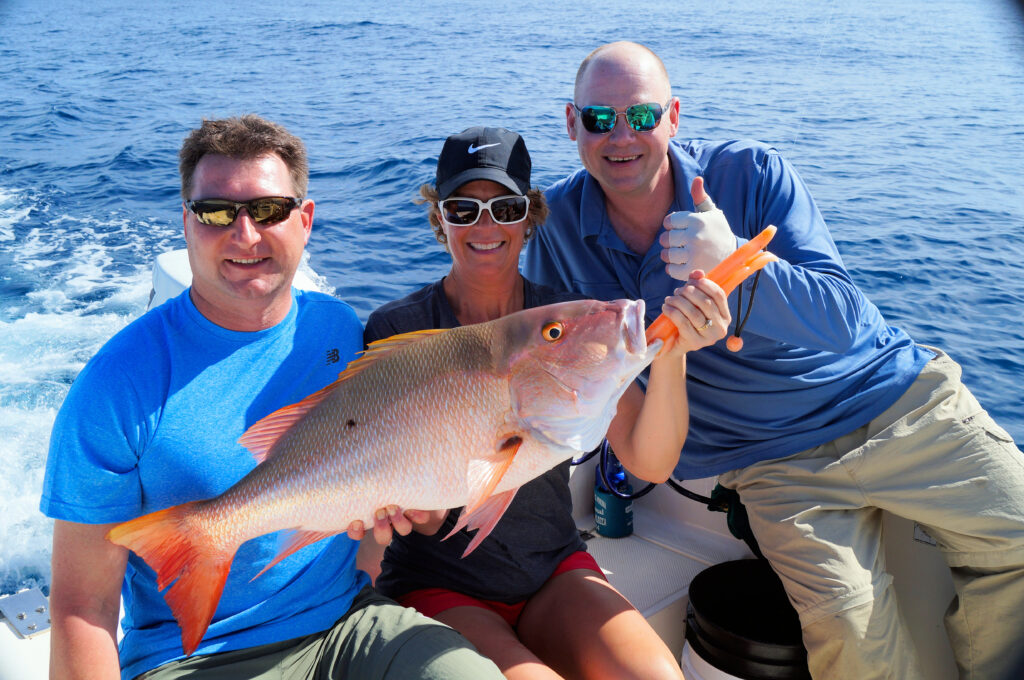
{"points": [[496, 154]]}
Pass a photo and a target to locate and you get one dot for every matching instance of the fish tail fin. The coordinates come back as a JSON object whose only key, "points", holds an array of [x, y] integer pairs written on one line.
{"points": [[164, 540]]}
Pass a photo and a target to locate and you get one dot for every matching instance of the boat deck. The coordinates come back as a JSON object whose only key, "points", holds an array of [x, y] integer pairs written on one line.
{"points": [[675, 538]]}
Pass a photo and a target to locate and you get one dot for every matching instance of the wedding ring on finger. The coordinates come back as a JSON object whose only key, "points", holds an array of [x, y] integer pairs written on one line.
{"points": [[708, 323]]}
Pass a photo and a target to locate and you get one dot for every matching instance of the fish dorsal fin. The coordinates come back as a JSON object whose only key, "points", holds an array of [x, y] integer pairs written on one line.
{"points": [[399, 339], [381, 348], [296, 541], [484, 518], [264, 433], [261, 437], [484, 474]]}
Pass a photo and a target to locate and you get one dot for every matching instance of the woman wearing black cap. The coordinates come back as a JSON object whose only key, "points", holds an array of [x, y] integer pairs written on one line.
{"points": [[530, 596]]}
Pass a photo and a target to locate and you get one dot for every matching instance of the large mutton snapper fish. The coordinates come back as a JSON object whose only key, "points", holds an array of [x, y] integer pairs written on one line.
{"points": [[428, 420]]}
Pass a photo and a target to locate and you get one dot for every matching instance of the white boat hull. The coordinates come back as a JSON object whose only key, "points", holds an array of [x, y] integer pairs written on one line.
{"points": [[24, 636]]}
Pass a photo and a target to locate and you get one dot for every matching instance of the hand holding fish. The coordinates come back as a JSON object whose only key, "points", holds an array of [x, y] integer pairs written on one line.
{"points": [[696, 240], [392, 519], [648, 431]]}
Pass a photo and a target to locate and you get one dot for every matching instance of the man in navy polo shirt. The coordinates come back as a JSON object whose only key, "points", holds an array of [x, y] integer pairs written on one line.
{"points": [[826, 414]]}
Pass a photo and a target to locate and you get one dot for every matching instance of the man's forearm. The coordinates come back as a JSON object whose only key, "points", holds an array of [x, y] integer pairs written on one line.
{"points": [[85, 602], [81, 650]]}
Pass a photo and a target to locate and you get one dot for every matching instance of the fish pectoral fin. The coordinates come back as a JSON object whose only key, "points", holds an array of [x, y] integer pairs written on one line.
{"points": [[484, 474], [296, 541], [484, 518]]}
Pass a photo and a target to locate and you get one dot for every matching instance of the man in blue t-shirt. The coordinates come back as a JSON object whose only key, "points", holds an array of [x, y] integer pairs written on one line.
{"points": [[154, 419], [826, 413]]}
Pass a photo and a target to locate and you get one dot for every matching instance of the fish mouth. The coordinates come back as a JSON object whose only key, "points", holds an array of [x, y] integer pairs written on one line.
{"points": [[633, 326]]}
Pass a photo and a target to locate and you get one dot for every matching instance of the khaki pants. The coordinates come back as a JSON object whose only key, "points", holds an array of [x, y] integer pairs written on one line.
{"points": [[937, 458], [376, 639]]}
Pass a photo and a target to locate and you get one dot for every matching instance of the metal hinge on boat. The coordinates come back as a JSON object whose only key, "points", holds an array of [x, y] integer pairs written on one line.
{"points": [[27, 611]]}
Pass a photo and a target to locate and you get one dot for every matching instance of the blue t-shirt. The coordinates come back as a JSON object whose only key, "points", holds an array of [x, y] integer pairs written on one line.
{"points": [[818, 359], [153, 420]]}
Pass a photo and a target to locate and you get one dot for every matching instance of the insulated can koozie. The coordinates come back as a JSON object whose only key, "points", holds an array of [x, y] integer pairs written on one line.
{"points": [[613, 515]]}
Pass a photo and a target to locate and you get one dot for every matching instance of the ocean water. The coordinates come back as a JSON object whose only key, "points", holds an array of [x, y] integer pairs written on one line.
{"points": [[906, 120]]}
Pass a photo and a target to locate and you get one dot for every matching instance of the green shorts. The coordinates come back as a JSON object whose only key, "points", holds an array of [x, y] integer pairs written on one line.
{"points": [[375, 639]]}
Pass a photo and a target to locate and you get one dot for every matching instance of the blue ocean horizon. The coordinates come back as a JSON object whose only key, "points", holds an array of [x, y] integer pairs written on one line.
{"points": [[907, 123]]}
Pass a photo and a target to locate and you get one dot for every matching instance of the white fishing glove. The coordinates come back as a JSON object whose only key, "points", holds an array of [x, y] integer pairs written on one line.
{"points": [[695, 240]]}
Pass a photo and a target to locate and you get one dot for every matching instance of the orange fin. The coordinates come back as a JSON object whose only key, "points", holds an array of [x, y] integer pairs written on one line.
{"points": [[484, 474], [297, 541], [400, 339], [198, 571], [261, 437], [381, 348], [484, 518], [264, 433]]}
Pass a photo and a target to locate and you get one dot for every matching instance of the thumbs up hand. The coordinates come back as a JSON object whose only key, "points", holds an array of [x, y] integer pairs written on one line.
{"points": [[696, 240]]}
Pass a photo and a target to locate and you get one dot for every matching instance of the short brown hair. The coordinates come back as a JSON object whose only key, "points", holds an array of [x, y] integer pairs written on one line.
{"points": [[244, 137], [537, 215]]}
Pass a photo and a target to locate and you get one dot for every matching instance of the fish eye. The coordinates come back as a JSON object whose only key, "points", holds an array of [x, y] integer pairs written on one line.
{"points": [[552, 331]]}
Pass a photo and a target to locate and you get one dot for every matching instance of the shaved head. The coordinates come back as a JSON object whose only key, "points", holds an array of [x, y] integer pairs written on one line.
{"points": [[632, 166], [624, 55]]}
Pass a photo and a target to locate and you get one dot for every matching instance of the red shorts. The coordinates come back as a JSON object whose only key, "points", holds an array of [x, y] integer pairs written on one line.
{"points": [[433, 601]]}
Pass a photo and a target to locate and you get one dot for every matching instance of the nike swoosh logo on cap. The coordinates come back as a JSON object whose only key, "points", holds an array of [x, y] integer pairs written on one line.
{"points": [[474, 149]]}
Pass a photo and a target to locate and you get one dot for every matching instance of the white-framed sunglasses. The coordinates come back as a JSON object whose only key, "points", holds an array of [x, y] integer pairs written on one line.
{"points": [[463, 211]]}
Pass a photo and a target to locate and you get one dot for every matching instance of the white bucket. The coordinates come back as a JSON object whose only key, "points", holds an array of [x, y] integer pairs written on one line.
{"points": [[696, 668]]}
